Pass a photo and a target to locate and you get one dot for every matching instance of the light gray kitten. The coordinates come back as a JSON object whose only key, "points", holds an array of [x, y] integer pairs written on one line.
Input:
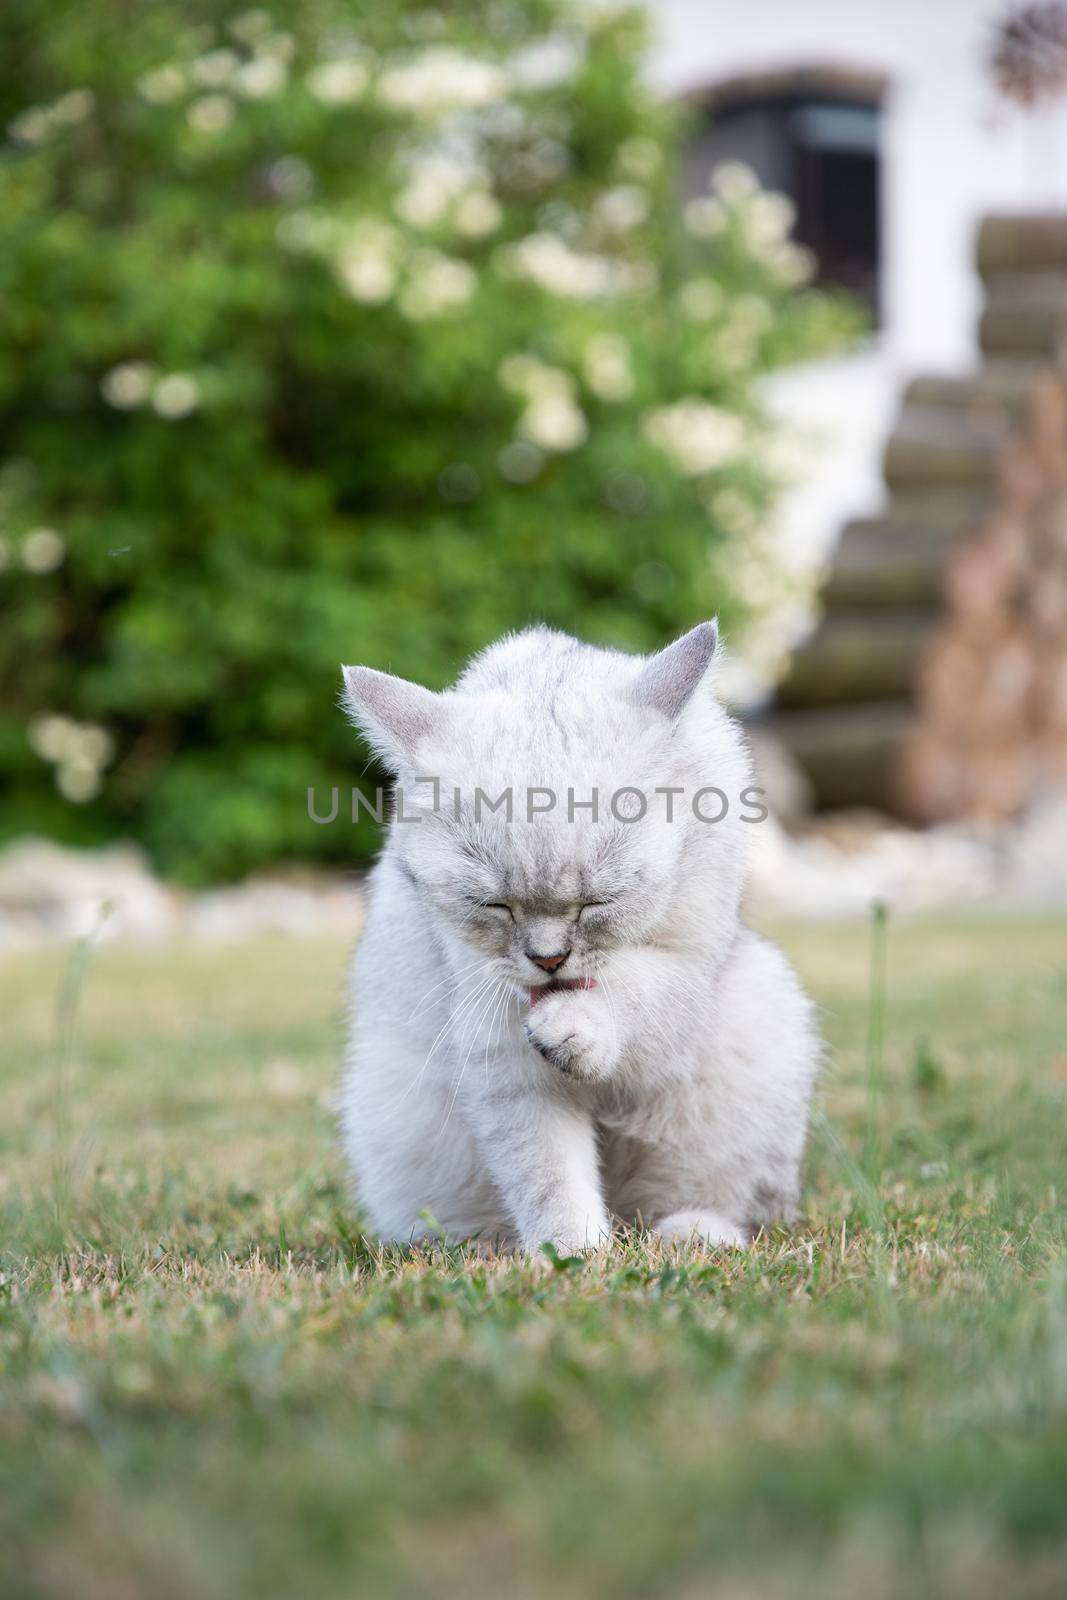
{"points": [[559, 1018]]}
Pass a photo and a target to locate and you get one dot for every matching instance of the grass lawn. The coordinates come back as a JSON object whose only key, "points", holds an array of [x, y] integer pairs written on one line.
{"points": [[210, 1386]]}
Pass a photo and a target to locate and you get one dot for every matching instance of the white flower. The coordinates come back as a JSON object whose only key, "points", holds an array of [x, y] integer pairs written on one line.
{"points": [[368, 277], [367, 262], [421, 204], [639, 158], [547, 64], [768, 217], [279, 45], [548, 261], [552, 418], [59, 739], [72, 107], [733, 511], [705, 217], [260, 78], [622, 208], [701, 299], [77, 781], [31, 126], [436, 284], [303, 230], [733, 345], [215, 69], [518, 372], [212, 113], [554, 422], [43, 550], [696, 435], [434, 184], [435, 181], [78, 750], [733, 180], [751, 315], [50, 736], [95, 744], [441, 79], [606, 366], [477, 214], [525, 374], [128, 385], [34, 125], [163, 85], [250, 25], [794, 264], [338, 83], [176, 396]]}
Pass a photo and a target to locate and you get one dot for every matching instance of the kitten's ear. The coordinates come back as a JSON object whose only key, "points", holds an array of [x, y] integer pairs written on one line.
{"points": [[392, 714], [667, 680]]}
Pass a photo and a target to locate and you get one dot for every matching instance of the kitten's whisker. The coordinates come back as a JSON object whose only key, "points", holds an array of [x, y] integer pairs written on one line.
{"points": [[610, 998], [453, 1019], [456, 979], [498, 1016], [459, 1078], [488, 1038], [699, 1000], [456, 1016], [466, 1006], [640, 1006]]}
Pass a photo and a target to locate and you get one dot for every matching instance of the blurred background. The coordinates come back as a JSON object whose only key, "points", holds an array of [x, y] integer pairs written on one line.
{"points": [[342, 332]]}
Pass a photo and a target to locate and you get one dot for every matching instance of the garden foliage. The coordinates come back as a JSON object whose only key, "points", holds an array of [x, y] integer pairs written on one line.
{"points": [[339, 331]]}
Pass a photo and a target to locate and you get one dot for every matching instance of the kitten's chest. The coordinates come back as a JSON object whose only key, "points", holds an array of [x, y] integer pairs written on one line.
{"points": [[625, 1112]]}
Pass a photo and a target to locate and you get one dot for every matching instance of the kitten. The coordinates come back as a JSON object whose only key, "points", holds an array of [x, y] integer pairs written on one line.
{"points": [[559, 1019]]}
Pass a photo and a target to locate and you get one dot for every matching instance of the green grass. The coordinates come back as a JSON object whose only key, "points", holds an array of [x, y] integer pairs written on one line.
{"points": [[210, 1386]]}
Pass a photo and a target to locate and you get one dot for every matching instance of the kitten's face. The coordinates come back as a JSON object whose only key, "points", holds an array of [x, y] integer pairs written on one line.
{"points": [[528, 894], [548, 894], [560, 883]]}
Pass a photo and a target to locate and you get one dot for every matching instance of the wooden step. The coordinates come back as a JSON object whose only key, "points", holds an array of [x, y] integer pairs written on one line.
{"points": [[1007, 243], [850, 754], [1025, 314], [932, 446], [880, 563], [1000, 385], [930, 505], [858, 655]]}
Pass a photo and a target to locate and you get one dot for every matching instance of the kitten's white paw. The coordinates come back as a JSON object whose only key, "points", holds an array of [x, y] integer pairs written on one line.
{"points": [[706, 1227], [572, 1238], [574, 1031]]}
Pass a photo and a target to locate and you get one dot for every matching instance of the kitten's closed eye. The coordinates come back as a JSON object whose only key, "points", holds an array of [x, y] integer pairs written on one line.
{"points": [[588, 905]]}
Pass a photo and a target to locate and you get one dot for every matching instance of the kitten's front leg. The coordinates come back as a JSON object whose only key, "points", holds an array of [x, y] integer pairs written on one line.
{"points": [[540, 1146], [575, 1031]]}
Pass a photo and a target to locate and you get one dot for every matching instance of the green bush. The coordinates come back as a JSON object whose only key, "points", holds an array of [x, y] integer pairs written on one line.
{"points": [[338, 331]]}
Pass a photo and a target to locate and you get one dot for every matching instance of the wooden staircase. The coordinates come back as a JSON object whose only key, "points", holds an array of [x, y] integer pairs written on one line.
{"points": [[936, 684]]}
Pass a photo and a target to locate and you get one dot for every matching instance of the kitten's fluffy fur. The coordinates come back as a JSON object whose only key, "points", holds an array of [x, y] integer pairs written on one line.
{"points": [[675, 1092]]}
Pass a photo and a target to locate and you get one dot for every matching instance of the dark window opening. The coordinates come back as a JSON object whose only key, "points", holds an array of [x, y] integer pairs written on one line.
{"points": [[821, 149]]}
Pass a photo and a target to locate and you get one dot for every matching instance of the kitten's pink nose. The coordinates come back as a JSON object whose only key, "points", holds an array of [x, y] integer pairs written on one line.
{"points": [[549, 963]]}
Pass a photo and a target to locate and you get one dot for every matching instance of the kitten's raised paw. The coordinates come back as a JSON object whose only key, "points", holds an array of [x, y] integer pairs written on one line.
{"points": [[703, 1227], [574, 1033]]}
